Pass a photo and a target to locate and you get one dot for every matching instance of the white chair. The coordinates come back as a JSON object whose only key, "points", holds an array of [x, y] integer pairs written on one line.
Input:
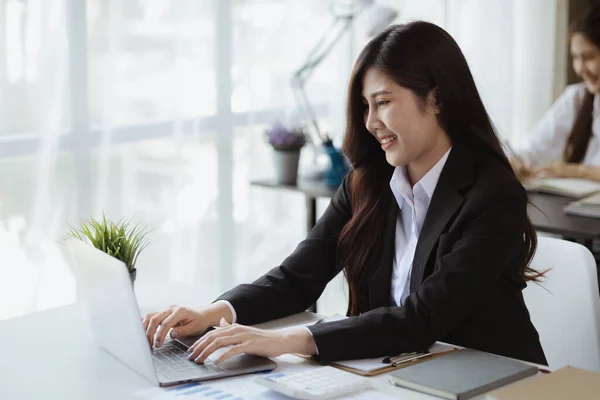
{"points": [[565, 309]]}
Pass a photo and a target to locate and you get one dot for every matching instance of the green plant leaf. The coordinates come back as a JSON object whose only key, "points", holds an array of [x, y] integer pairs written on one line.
{"points": [[123, 240]]}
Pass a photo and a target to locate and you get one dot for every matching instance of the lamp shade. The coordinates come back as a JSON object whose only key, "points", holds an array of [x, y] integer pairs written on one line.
{"points": [[375, 18]]}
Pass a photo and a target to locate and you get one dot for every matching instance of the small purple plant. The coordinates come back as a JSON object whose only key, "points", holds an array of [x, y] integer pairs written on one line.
{"points": [[284, 139]]}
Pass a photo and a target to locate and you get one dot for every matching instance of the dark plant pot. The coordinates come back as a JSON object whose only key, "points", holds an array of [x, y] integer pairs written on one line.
{"points": [[132, 276]]}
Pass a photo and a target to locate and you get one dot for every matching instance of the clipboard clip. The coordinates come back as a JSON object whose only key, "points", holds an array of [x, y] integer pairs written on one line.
{"points": [[406, 358], [391, 360]]}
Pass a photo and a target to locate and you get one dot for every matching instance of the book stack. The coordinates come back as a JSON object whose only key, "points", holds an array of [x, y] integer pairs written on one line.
{"points": [[570, 187], [587, 207]]}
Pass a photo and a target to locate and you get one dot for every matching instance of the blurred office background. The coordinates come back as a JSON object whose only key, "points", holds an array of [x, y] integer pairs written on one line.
{"points": [[156, 110]]}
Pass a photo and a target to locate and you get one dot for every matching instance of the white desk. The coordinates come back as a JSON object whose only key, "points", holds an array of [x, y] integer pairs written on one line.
{"points": [[51, 355]]}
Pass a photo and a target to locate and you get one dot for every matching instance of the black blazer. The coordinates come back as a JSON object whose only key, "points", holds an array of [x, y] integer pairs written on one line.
{"points": [[465, 285]]}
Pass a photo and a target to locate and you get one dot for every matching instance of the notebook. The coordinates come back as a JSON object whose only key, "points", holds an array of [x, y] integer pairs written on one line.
{"points": [[587, 207], [462, 374], [571, 187], [565, 383]]}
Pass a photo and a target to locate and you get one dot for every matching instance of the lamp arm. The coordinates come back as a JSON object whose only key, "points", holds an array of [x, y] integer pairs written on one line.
{"points": [[307, 111], [318, 47], [324, 46], [316, 56]]}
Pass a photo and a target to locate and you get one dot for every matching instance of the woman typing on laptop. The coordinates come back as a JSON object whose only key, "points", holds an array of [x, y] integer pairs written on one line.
{"points": [[570, 130], [430, 227]]}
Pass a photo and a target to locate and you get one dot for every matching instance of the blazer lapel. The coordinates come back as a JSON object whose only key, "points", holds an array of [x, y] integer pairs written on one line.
{"points": [[457, 174], [380, 284]]}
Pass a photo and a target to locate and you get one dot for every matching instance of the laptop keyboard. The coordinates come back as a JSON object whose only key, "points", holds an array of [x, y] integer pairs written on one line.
{"points": [[171, 363]]}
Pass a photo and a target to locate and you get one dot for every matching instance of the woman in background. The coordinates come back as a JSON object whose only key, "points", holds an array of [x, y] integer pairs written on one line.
{"points": [[566, 141], [430, 227]]}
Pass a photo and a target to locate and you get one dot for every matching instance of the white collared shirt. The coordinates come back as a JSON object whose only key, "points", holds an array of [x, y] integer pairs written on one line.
{"points": [[413, 203], [549, 137]]}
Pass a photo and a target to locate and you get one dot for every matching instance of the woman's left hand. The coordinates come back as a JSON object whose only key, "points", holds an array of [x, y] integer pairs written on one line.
{"points": [[249, 340], [557, 170]]}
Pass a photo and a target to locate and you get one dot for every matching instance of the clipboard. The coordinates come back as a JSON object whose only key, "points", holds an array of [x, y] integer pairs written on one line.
{"points": [[376, 366]]}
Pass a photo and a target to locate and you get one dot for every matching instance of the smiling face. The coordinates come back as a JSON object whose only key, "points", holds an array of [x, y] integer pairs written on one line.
{"points": [[407, 129], [586, 61]]}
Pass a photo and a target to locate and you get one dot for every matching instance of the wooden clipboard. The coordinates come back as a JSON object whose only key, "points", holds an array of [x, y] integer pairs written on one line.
{"points": [[419, 358]]}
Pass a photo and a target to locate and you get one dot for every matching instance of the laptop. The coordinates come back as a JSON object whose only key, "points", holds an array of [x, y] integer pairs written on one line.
{"points": [[105, 288]]}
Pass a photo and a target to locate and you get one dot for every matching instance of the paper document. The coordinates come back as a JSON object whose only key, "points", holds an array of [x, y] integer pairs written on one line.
{"points": [[238, 390], [593, 200], [587, 207], [243, 387], [572, 187], [373, 364]]}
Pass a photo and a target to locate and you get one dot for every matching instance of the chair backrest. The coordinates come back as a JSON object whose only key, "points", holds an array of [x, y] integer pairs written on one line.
{"points": [[565, 307]]}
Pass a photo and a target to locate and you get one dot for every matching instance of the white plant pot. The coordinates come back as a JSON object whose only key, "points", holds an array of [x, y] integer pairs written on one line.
{"points": [[286, 166]]}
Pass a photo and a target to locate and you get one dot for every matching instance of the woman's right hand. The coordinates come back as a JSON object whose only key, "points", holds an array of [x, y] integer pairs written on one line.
{"points": [[521, 167], [182, 321]]}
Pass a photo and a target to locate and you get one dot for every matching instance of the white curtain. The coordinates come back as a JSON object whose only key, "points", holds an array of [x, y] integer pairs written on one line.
{"points": [[515, 49], [510, 47], [155, 110], [33, 120]]}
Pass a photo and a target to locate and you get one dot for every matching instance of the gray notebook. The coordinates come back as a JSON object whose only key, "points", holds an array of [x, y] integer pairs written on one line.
{"points": [[461, 374]]}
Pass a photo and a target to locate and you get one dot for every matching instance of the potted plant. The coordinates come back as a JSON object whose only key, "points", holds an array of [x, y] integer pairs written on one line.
{"points": [[286, 144], [123, 240]]}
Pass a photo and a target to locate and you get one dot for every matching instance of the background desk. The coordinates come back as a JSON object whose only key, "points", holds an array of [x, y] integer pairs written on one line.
{"points": [[50, 355], [584, 230], [581, 229], [311, 190]]}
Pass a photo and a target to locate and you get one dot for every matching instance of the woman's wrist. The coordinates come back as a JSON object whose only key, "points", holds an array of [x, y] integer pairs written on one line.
{"points": [[215, 311], [578, 171], [300, 340]]}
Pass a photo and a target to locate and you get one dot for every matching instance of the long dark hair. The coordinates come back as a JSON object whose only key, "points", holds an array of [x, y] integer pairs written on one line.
{"points": [[578, 140], [422, 57]]}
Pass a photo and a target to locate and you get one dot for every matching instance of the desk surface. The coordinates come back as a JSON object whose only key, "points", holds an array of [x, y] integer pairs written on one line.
{"points": [[50, 355], [554, 220]]}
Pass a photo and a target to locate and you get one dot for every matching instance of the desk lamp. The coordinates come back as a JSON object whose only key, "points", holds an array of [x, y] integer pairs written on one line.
{"points": [[374, 19]]}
